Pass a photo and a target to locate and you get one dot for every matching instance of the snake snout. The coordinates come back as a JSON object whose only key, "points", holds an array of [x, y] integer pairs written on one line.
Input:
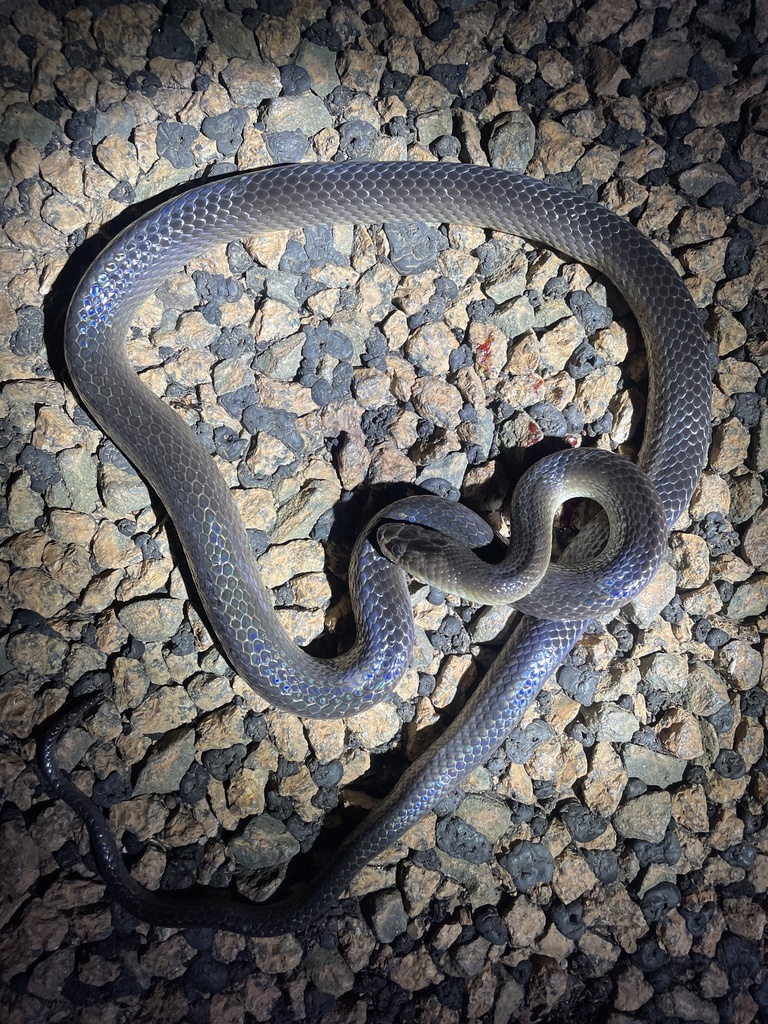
{"points": [[414, 548]]}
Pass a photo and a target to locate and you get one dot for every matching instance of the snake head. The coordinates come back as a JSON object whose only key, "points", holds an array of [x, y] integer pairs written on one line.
{"points": [[427, 555]]}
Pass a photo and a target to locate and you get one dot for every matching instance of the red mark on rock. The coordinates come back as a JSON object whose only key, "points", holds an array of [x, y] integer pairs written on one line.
{"points": [[534, 434], [483, 353]]}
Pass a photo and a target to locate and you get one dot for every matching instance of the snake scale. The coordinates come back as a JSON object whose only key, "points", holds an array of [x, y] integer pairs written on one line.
{"points": [[238, 606]]}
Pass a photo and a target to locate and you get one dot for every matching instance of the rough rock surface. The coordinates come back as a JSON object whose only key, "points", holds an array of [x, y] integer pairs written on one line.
{"points": [[611, 861]]}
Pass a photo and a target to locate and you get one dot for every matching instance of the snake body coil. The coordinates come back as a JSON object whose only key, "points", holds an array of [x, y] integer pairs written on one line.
{"points": [[205, 516]]}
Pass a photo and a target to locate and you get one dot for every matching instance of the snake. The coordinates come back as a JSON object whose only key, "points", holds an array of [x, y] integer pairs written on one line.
{"points": [[414, 534]]}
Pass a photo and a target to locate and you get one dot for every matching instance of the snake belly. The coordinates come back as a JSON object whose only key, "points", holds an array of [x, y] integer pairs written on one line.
{"points": [[204, 514]]}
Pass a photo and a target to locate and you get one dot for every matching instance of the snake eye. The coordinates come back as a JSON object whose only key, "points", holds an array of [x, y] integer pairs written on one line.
{"points": [[392, 541]]}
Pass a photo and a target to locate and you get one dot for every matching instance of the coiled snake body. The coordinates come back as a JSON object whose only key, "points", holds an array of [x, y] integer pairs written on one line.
{"points": [[216, 544]]}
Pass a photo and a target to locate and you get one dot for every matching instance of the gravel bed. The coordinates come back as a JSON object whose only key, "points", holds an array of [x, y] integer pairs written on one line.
{"points": [[611, 861]]}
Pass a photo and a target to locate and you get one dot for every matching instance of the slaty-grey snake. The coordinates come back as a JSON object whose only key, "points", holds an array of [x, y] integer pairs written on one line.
{"points": [[216, 544]]}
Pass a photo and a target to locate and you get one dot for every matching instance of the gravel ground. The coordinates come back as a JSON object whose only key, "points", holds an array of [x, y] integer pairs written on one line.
{"points": [[611, 862]]}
